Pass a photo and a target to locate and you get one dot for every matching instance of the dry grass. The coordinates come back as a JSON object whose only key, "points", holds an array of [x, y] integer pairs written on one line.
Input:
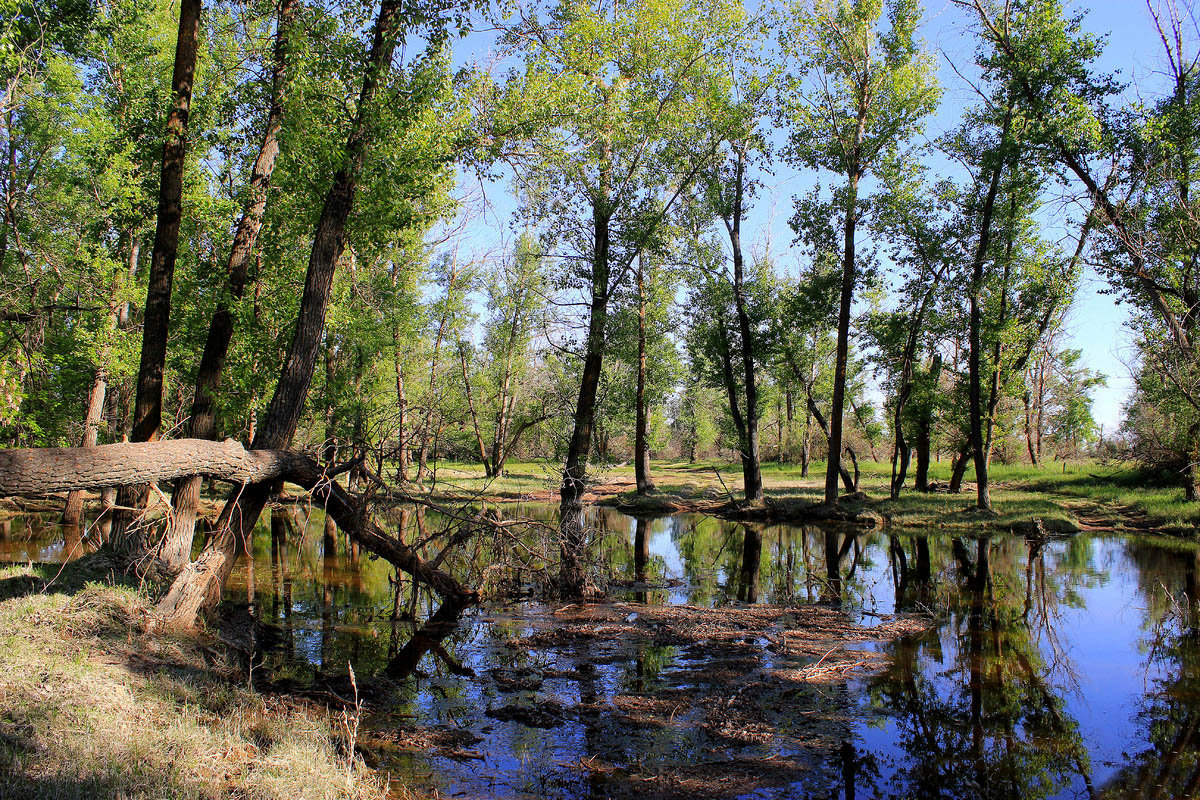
{"points": [[93, 705]]}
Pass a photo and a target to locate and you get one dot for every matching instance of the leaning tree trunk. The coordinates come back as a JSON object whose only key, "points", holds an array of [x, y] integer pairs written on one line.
{"points": [[572, 578], [176, 547], [41, 471], [199, 586], [132, 544]]}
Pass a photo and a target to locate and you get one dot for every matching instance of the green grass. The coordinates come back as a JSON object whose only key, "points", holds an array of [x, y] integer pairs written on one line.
{"points": [[1085, 493], [96, 705]]}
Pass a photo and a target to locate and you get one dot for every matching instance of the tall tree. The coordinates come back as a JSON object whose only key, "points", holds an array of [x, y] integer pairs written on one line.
{"points": [[130, 542], [913, 217], [176, 546], [617, 97], [861, 88], [199, 585]]}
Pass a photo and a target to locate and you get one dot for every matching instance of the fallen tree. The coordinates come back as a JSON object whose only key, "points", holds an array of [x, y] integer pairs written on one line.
{"points": [[41, 471], [47, 470]]}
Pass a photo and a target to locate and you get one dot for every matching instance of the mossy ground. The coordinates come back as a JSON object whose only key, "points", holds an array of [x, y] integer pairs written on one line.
{"points": [[94, 704]]}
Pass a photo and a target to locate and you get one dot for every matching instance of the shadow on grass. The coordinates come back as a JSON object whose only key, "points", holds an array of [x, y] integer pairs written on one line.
{"points": [[58, 578]]}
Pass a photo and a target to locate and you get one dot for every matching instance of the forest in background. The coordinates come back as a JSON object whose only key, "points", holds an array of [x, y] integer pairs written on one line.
{"points": [[251, 221]]}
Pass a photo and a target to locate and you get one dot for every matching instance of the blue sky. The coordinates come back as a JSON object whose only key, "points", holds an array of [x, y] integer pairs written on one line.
{"points": [[1096, 325]]}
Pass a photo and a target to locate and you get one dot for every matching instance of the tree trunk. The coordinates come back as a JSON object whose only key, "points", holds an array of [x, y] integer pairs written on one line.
{"points": [[960, 467], [641, 448], [778, 429], [847, 479], [73, 511], [735, 408], [199, 586], [924, 427], [904, 454], [147, 418], [177, 544], [1033, 456], [46, 470], [751, 467], [483, 457], [833, 469], [573, 580], [983, 497], [402, 434], [39, 471], [806, 443], [814, 412]]}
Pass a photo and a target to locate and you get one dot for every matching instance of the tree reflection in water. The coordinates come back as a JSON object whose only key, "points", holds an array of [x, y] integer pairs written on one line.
{"points": [[1169, 712], [1060, 668], [978, 710]]}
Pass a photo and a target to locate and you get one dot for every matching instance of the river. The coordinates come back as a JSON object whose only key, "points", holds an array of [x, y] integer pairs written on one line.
{"points": [[1067, 668]]}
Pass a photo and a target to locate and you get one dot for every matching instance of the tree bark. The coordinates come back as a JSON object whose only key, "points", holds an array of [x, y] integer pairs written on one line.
{"points": [[641, 447], [924, 415], [147, 417], [572, 534], [751, 466], [73, 511], [199, 586], [833, 469], [921, 479], [983, 499], [177, 544], [41, 471], [960, 466]]}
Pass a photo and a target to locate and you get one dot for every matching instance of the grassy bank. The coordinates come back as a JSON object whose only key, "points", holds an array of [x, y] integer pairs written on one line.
{"points": [[93, 704], [1083, 495]]}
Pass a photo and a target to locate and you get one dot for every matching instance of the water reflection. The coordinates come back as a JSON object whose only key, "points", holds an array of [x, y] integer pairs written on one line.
{"points": [[1054, 668]]}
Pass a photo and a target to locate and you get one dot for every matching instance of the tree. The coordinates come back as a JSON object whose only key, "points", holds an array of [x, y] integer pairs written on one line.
{"points": [[506, 404], [147, 416], [612, 100], [1071, 422], [1137, 172], [199, 585], [176, 547], [913, 217], [860, 89]]}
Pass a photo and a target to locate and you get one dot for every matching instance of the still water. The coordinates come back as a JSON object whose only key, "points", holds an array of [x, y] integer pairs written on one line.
{"points": [[1067, 668]]}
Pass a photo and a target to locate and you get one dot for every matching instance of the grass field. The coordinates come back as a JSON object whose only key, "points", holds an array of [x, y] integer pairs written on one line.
{"points": [[95, 705], [1082, 494]]}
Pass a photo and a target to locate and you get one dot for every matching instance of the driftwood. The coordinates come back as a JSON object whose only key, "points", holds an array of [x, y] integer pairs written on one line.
{"points": [[35, 472]]}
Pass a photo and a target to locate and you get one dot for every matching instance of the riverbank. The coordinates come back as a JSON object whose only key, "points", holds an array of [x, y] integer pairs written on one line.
{"points": [[96, 704], [1082, 496]]}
